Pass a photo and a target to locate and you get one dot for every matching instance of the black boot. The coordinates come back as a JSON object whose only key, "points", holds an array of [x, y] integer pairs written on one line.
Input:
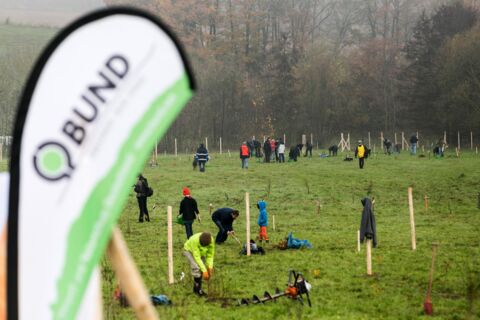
{"points": [[197, 286]]}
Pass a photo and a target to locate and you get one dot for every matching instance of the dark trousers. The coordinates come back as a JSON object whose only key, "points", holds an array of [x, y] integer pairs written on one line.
{"points": [[222, 234], [281, 157], [267, 156], [361, 162], [188, 228], [308, 152], [142, 205], [201, 164]]}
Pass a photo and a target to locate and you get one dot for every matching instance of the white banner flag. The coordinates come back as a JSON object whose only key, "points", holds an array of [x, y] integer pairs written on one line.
{"points": [[101, 94]]}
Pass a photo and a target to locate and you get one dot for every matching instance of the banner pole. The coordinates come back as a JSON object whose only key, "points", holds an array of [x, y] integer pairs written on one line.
{"points": [[129, 277]]}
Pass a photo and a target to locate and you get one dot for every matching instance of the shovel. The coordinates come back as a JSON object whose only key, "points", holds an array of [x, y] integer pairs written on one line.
{"points": [[427, 305]]}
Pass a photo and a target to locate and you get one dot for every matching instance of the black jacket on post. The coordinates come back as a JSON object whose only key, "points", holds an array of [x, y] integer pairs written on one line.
{"points": [[224, 215], [367, 225], [188, 208]]}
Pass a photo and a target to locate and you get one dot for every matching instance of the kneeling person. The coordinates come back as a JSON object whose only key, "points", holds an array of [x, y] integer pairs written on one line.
{"points": [[199, 251]]}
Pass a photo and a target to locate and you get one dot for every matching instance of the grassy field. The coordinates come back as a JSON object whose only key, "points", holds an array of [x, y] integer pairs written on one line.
{"points": [[341, 289]]}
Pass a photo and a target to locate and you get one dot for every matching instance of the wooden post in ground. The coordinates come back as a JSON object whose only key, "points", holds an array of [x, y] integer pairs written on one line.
{"points": [[369, 142], [176, 150], [318, 207], [210, 207], [445, 137], [396, 142], [412, 220], [358, 240], [247, 220], [311, 139], [220, 145], [273, 223], [457, 151], [1, 151], [381, 140], [170, 245], [403, 139], [369, 257], [284, 139], [348, 141], [425, 202], [458, 140], [374, 148], [129, 277], [476, 150], [206, 143], [471, 140]]}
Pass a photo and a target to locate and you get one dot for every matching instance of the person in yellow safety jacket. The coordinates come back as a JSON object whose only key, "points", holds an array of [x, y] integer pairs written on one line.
{"points": [[199, 251], [360, 153]]}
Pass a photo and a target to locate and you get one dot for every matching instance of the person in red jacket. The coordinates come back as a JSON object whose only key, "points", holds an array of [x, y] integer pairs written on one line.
{"points": [[244, 155]]}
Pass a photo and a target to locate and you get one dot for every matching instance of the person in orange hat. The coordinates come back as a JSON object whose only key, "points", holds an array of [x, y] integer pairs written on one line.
{"points": [[189, 211]]}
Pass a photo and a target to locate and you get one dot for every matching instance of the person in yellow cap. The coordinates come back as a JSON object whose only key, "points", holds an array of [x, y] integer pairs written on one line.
{"points": [[199, 251], [360, 153]]}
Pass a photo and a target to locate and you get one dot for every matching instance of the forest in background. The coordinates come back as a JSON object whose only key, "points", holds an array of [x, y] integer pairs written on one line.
{"points": [[274, 67]]}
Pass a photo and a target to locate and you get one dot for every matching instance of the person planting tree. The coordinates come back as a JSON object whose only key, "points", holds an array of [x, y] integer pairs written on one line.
{"points": [[199, 251], [224, 218]]}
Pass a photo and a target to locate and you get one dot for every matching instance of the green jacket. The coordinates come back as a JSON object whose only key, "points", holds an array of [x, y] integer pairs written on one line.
{"points": [[195, 248]]}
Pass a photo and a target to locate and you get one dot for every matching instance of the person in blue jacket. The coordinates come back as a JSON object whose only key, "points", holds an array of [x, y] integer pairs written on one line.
{"points": [[262, 220]]}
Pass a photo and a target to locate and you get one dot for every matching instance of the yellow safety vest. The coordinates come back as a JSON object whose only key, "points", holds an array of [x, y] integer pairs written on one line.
{"points": [[361, 151]]}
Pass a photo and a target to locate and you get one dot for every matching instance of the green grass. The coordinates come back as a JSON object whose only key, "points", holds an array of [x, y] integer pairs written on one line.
{"points": [[341, 290], [15, 37]]}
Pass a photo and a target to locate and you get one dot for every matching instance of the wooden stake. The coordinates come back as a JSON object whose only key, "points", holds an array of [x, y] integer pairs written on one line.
{"points": [[358, 240], [129, 277], [403, 139], [381, 140], [273, 223], [311, 139], [1, 151], [369, 256], [206, 143], [445, 137], [284, 139], [471, 140], [220, 145], [175, 147], [396, 138], [425, 202], [247, 220], [457, 152], [348, 141], [210, 207], [369, 142], [412, 221], [170, 245], [458, 137]]}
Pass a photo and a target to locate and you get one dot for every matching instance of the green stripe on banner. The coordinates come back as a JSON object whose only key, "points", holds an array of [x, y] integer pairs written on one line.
{"points": [[90, 233]]}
